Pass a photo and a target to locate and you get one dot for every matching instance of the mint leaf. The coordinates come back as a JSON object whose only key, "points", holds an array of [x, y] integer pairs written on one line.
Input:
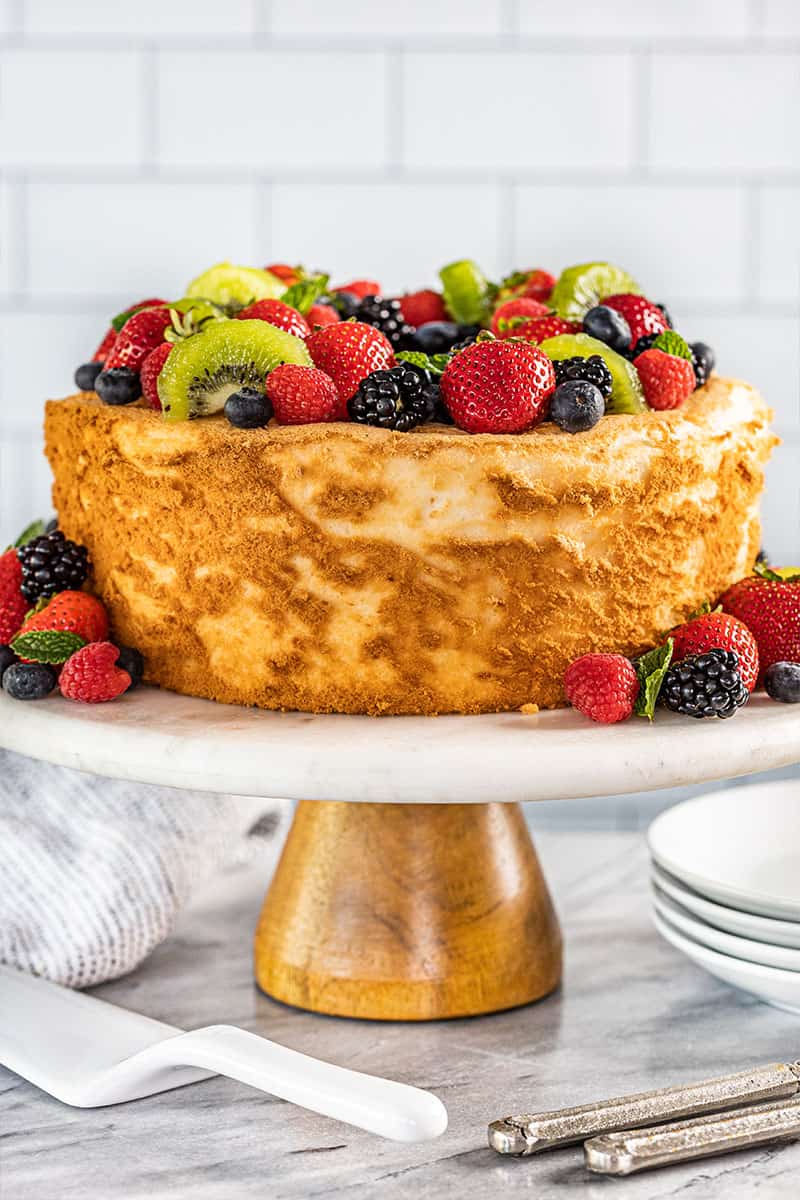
{"points": [[303, 294], [35, 529], [671, 342], [650, 671], [435, 363], [47, 645]]}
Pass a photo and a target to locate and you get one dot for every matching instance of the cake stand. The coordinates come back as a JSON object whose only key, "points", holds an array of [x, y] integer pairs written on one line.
{"points": [[409, 887]]}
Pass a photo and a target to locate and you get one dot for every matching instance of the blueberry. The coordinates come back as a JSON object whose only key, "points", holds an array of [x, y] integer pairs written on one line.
{"points": [[52, 525], [702, 360], [435, 337], [782, 682], [7, 657], [576, 405], [119, 385], [86, 375], [130, 660], [346, 304], [608, 326], [248, 409], [29, 681], [665, 315]]}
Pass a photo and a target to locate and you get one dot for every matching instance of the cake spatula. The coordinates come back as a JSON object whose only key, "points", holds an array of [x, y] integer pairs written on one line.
{"points": [[88, 1053]]}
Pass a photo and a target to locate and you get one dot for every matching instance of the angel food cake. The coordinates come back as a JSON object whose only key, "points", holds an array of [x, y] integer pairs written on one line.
{"points": [[428, 504]]}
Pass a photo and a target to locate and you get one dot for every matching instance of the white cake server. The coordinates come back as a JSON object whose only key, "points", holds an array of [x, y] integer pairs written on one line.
{"points": [[88, 1053]]}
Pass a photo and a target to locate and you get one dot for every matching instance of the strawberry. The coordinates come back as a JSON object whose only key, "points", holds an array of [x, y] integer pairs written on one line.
{"points": [[642, 316], [303, 396], [140, 334], [151, 369], [13, 604], [284, 272], [718, 631], [508, 316], [539, 329], [361, 288], [90, 674], [498, 387], [770, 607], [419, 308], [104, 349], [72, 612], [667, 379], [603, 687], [275, 312], [349, 352], [320, 315], [536, 285]]}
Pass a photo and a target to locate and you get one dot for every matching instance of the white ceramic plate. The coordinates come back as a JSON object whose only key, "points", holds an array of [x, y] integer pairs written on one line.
{"points": [[739, 846], [731, 920], [780, 988], [726, 943]]}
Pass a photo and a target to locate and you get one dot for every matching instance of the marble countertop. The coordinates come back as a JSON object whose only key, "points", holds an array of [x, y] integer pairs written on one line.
{"points": [[632, 1014]]}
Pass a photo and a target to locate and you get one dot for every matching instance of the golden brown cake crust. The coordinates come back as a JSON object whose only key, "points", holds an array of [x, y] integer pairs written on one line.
{"points": [[342, 568]]}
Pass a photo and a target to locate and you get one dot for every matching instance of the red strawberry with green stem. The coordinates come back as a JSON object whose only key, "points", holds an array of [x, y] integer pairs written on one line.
{"points": [[350, 351], [13, 604], [509, 316], [498, 387], [642, 315], [71, 612], [718, 631], [769, 604], [140, 334], [321, 315], [276, 313], [420, 308], [539, 329]]}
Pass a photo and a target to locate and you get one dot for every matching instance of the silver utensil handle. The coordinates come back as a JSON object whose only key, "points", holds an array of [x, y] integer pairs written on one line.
{"points": [[624, 1153], [533, 1132]]}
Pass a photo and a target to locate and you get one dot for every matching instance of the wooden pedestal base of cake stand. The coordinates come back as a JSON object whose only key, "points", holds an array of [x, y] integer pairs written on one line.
{"points": [[408, 912]]}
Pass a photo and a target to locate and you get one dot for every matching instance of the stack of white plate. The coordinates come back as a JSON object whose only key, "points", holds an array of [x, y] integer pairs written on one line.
{"points": [[726, 886]]}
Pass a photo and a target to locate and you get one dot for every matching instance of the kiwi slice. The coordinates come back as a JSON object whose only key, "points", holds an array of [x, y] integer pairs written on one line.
{"points": [[466, 292], [626, 389], [227, 284], [582, 287], [202, 371]]}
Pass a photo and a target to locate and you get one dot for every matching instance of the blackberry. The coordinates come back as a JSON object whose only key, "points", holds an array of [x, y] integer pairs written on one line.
{"points": [[705, 685], [400, 398], [588, 370], [644, 343], [665, 314], [702, 361], [51, 563], [387, 316]]}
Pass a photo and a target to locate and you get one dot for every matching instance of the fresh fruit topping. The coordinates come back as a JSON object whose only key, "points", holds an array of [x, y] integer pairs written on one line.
{"points": [[120, 319], [651, 669], [400, 398], [303, 396], [320, 315], [385, 315], [104, 349], [576, 406], [140, 334], [46, 645], [345, 303], [29, 681], [508, 317], [626, 389], [644, 343], [249, 408], [130, 660], [71, 612], [705, 685], [7, 657], [609, 326], [466, 292], [672, 343], [593, 369], [541, 329], [642, 316], [360, 288], [537, 284], [119, 385], [226, 356], [13, 604], [51, 563], [91, 674], [420, 308], [307, 291], [278, 314], [603, 687], [667, 381], [498, 387], [151, 369], [349, 352], [86, 374], [436, 337], [230, 285], [582, 287], [718, 631], [782, 682], [702, 361], [283, 271], [769, 605]]}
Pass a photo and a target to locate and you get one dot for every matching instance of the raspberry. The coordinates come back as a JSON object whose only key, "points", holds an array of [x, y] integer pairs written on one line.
{"points": [[603, 687], [303, 395], [642, 316], [498, 387], [506, 319], [91, 675], [666, 379], [420, 308]]}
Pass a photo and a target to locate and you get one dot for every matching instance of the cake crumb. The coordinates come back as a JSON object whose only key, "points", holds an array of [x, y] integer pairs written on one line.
{"points": [[529, 709]]}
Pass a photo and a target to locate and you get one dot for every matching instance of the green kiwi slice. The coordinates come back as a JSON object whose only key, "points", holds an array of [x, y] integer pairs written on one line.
{"points": [[626, 390], [581, 287], [202, 371], [228, 284], [466, 292]]}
